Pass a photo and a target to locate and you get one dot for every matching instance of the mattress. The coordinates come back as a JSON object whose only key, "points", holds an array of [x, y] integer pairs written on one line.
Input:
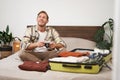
{"points": [[9, 67]]}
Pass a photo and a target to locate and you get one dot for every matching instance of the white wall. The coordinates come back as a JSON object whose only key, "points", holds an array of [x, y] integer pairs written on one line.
{"points": [[19, 13], [116, 47]]}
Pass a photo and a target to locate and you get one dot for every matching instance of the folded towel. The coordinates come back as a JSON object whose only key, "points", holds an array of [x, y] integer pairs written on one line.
{"points": [[75, 54], [70, 59], [34, 66]]}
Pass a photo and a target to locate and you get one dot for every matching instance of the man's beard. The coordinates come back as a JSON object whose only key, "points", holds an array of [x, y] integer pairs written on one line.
{"points": [[41, 25]]}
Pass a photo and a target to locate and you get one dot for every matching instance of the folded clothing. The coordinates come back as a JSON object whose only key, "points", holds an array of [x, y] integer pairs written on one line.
{"points": [[75, 54], [34, 66], [70, 59]]}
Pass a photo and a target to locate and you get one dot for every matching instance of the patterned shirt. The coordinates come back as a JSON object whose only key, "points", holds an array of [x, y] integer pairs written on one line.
{"points": [[32, 35]]}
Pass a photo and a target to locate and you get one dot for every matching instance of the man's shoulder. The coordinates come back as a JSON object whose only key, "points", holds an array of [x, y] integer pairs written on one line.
{"points": [[50, 28], [33, 27], [30, 26]]}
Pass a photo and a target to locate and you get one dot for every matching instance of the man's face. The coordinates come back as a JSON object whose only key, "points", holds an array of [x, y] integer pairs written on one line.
{"points": [[42, 19]]}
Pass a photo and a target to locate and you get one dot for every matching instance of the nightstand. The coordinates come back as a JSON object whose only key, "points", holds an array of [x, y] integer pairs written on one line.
{"points": [[4, 54]]}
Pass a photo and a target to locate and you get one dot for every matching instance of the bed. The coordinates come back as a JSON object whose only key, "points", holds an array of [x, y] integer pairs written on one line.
{"points": [[75, 37]]}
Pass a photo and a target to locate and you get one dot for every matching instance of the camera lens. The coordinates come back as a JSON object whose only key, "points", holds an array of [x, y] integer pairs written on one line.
{"points": [[47, 45]]}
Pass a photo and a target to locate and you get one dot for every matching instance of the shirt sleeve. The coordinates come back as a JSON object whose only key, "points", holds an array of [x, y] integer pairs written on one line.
{"points": [[26, 39], [57, 37]]}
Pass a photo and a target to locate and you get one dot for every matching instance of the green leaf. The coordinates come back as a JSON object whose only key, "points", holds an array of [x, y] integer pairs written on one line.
{"points": [[99, 35], [5, 36], [103, 45], [7, 29]]}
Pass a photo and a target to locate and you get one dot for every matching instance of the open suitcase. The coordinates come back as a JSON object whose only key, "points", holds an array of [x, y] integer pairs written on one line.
{"points": [[89, 67]]}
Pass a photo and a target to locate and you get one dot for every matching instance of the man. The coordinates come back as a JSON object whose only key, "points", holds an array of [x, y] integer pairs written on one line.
{"points": [[41, 42]]}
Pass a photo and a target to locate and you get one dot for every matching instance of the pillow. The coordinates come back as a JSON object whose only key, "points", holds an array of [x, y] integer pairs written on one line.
{"points": [[78, 43], [34, 66]]}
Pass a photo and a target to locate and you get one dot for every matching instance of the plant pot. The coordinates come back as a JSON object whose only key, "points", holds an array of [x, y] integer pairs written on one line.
{"points": [[5, 51]]}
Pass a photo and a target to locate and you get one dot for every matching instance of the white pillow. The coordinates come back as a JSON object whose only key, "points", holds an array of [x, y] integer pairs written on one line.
{"points": [[73, 43]]}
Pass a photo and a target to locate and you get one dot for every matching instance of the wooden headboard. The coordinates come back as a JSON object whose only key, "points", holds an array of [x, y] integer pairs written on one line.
{"points": [[86, 32]]}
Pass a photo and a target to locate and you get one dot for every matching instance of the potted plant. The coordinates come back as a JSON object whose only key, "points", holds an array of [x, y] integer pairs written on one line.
{"points": [[104, 36], [6, 38]]}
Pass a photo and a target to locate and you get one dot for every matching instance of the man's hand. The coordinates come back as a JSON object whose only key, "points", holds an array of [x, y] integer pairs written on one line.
{"points": [[39, 44]]}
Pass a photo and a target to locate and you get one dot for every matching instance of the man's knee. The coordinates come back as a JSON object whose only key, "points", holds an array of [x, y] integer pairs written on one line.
{"points": [[23, 56]]}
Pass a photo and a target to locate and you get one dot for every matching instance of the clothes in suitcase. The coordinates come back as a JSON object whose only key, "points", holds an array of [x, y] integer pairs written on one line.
{"points": [[93, 65]]}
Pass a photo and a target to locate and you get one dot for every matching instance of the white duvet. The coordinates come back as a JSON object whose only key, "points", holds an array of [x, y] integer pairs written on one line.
{"points": [[9, 67]]}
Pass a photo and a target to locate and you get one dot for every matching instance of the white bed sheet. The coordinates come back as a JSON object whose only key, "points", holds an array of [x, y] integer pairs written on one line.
{"points": [[9, 67]]}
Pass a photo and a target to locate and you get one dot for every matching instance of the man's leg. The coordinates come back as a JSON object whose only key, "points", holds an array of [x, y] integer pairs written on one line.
{"points": [[28, 56], [45, 55]]}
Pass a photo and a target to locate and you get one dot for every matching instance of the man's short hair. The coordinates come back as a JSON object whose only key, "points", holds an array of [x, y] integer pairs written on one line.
{"points": [[44, 13]]}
